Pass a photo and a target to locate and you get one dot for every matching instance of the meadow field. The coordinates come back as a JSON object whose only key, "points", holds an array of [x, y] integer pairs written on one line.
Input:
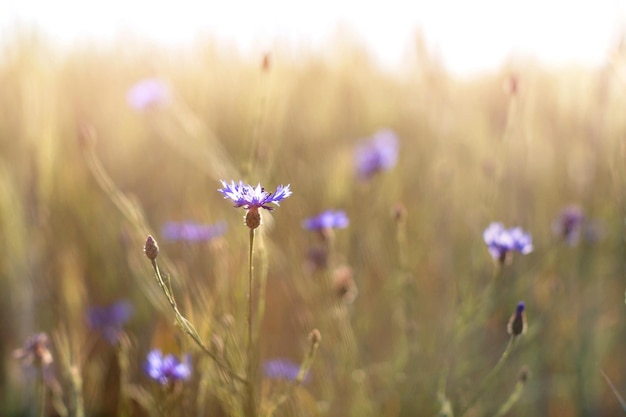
{"points": [[472, 262]]}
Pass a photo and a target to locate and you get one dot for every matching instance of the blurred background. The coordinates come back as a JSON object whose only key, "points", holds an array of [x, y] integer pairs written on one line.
{"points": [[118, 121], [466, 37]]}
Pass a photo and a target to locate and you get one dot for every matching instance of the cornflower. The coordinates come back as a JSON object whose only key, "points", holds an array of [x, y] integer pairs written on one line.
{"points": [[517, 322], [253, 198], [148, 93], [167, 369], [192, 231], [282, 369], [35, 352], [569, 224], [501, 242], [378, 153], [109, 320], [329, 219]]}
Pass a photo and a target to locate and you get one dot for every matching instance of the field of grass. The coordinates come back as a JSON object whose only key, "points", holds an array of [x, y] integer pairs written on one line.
{"points": [[411, 307]]}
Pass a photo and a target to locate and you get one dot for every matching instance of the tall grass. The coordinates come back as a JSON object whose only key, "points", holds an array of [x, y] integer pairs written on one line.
{"points": [[421, 336]]}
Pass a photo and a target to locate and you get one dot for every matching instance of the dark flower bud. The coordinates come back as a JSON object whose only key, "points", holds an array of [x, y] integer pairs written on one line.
{"points": [[315, 337], [343, 284], [517, 323], [524, 374], [151, 248]]}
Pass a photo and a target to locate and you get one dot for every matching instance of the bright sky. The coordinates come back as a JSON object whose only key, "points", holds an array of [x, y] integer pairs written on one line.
{"points": [[468, 36]]}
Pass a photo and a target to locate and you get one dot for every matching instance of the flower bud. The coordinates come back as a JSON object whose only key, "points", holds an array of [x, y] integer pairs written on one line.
{"points": [[151, 248]]}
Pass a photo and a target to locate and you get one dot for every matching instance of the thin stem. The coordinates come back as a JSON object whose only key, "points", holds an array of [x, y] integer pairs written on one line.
{"points": [[77, 390], [262, 287], [483, 386], [512, 400], [123, 364], [42, 389], [250, 405], [615, 392], [188, 328], [305, 367]]}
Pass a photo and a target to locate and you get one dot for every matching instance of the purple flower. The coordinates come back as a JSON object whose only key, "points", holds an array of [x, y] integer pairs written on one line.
{"points": [[330, 219], [501, 242], [167, 369], [517, 323], [35, 355], [109, 320], [569, 224], [36, 351], [192, 232], [148, 93], [252, 199], [282, 369], [378, 153]]}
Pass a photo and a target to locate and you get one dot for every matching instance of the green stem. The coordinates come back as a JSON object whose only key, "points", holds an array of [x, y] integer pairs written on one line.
{"points": [[188, 328], [483, 386], [305, 367], [77, 391], [42, 389], [615, 392], [262, 286], [512, 400], [250, 404]]}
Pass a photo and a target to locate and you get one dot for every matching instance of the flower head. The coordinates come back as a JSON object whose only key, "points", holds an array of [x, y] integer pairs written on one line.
{"points": [[569, 224], [35, 355], [253, 198], [109, 320], [249, 197], [167, 369], [501, 242], [517, 323], [282, 369], [378, 153], [35, 351], [192, 232], [329, 219], [148, 93]]}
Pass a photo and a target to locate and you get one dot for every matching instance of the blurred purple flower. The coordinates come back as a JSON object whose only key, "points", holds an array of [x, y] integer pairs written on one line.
{"points": [[167, 369], [148, 93], [35, 352], [36, 357], [250, 197], [192, 232], [378, 153], [569, 224], [329, 219], [282, 369], [501, 242], [110, 320]]}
